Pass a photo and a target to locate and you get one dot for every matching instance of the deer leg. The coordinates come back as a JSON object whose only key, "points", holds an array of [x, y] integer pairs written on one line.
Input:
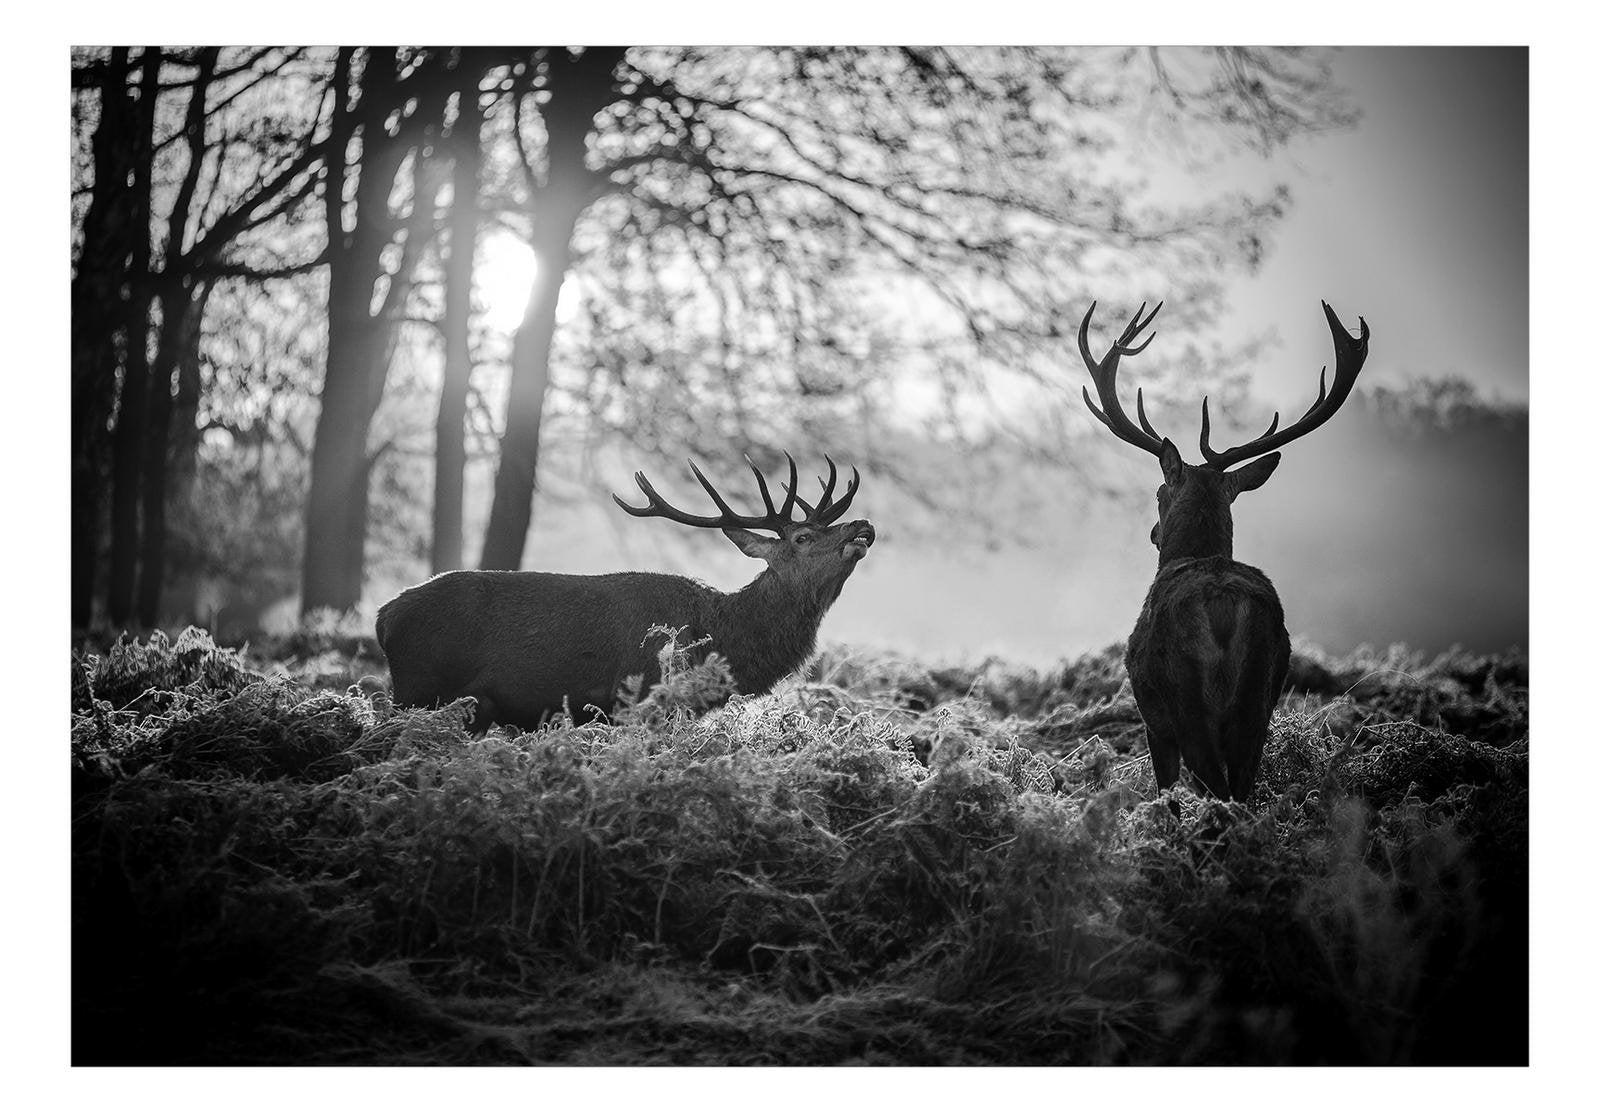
{"points": [[1196, 725], [1203, 755], [407, 691], [1247, 738], [1163, 758], [1249, 723], [1162, 741]]}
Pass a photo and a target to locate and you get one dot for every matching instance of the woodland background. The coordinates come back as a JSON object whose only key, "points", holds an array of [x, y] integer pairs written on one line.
{"points": [[342, 317]]}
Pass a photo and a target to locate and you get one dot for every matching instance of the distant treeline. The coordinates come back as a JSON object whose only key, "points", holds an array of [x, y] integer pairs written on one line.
{"points": [[1421, 532]]}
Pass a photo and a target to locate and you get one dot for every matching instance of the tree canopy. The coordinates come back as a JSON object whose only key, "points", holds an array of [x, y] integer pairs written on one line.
{"points": [[863, 251]]}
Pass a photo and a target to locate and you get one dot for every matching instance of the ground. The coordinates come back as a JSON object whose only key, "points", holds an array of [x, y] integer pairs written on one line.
{"points": [[880, 863]]}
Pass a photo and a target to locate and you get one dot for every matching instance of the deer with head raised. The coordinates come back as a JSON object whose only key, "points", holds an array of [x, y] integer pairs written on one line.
{"points": [[526, 645], [1208, 657]]}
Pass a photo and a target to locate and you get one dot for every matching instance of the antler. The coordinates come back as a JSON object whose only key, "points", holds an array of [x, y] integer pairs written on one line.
{"points": [[825, 513], [1104, 374], [1350, 353]]}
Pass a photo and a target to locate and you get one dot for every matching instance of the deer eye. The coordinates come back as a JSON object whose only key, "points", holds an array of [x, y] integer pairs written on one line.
{"points": [[802, 538]]}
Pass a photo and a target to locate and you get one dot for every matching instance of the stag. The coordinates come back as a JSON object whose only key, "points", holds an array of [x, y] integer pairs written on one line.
{"points": [[1209, 654], [527, 645]]}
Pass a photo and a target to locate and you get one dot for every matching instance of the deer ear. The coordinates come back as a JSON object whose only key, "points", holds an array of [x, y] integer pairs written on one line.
{"points": [[1252, 475], [1171, 462], [752, 544]]}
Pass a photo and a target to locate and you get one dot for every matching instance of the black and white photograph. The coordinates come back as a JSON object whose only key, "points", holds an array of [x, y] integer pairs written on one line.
{"points": [[797, 555]]}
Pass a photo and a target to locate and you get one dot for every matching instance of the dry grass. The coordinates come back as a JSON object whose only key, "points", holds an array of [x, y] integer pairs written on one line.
{"points": [[882, 864]]}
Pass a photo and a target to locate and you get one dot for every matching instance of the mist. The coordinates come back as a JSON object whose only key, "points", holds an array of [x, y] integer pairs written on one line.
{"points": [[1397, 521], [1375, 529]]}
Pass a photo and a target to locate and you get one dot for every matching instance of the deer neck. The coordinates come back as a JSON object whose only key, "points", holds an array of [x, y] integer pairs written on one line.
{"points": [[1194, 528], [768, 628]]}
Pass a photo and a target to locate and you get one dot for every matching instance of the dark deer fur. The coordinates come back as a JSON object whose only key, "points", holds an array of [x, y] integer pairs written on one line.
{"points": [[528, 644], [1209, 654], [1208, 657]]}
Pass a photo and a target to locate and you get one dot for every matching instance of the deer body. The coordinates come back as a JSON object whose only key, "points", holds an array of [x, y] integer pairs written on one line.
{"points": [[1209, 654], [1207, 661], [527, 644]]}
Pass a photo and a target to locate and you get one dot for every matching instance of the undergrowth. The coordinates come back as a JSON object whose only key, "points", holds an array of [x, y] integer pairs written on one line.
{"points": [[881, 863]]}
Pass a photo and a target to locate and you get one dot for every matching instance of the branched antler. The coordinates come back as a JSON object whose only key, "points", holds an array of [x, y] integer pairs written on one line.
{"points": [[1350, 354], [825, 512], [1104, 374]]}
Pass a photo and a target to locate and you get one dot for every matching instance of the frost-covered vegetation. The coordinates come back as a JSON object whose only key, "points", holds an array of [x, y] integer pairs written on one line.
{"points": [[885, 863]]}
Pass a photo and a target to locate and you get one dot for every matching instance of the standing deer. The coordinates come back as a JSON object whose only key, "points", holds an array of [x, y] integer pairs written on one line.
{"points": [[526, 644], [1209, 654]]}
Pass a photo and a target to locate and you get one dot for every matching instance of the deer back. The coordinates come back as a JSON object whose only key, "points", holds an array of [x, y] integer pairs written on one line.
{"points": [[523, 643], [1207, 661]]}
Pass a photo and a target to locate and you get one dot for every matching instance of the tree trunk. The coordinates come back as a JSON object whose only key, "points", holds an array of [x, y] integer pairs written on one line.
{"points": [[450, 446], [578, 89], [177, 357], [177, 348], [359, 346], [514, 482], [96, 316], [128, 441], [360, 341]]}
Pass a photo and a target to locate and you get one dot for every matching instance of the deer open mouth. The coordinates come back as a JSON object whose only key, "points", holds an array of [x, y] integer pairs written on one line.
{"points": [[856, 547]]}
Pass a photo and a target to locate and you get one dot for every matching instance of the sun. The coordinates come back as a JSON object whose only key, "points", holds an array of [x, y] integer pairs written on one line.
{"points": [[504, 279]]}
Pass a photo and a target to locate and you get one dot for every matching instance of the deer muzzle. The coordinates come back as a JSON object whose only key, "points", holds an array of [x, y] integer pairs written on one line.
{"points": [[856, 547]]}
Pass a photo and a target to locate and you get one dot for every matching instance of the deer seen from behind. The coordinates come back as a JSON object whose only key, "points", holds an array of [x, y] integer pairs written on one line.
{"points": [[527, 645], [1209, 654]]}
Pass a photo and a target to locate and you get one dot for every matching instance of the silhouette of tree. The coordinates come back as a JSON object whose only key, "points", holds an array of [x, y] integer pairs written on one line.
{"points": [[173, 186], [570, 89], [387, 108], [450, 452], [107, 244], [759, 248]]}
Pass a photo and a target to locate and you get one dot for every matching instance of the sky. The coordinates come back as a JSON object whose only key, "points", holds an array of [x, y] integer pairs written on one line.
{"points": [[1417, 219]]}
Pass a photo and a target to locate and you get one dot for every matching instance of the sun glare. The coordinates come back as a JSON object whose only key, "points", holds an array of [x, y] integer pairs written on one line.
{"points": [[506, 268]]}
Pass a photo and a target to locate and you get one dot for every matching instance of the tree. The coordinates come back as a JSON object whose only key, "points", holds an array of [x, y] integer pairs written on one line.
{"points": [[107, 242], [188, 197], [575, 88], [182, 298], [761, 199], [220, 227], [450, 452], [385, 111], [128, 438], [736, 230]]}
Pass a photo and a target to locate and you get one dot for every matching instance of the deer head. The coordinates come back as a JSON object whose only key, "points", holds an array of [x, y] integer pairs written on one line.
{"points": [[810, 550], [1194, 502]]}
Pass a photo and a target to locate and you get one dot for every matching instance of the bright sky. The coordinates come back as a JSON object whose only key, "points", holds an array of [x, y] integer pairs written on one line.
{"points": [[1417, 219]]}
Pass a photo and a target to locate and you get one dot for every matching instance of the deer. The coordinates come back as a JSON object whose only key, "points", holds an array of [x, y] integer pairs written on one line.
{"points": [[1209, 654], [531, 645]]}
